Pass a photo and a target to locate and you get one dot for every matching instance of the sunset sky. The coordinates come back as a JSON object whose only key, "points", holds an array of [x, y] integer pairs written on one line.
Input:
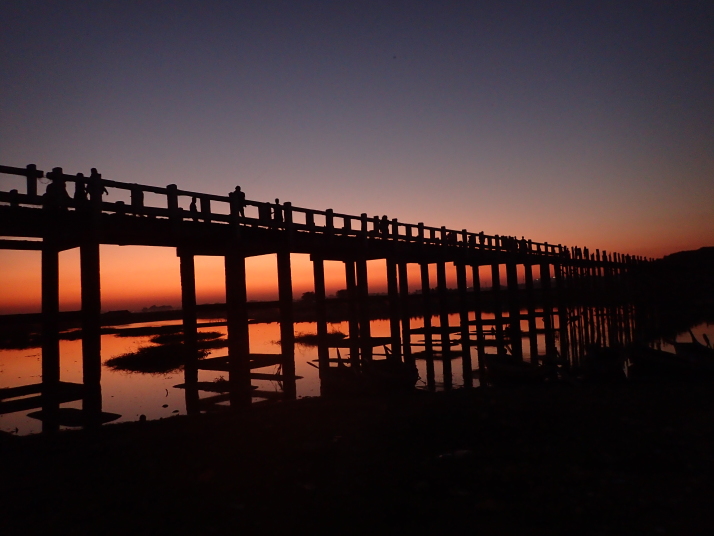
{"points": [[581, 123]]}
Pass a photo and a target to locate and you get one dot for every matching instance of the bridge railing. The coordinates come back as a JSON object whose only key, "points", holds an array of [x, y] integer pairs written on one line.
{"points": [[218, 209]]}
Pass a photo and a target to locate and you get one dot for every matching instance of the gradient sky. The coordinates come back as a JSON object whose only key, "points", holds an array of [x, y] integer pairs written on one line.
{"points": [[582, 123]]}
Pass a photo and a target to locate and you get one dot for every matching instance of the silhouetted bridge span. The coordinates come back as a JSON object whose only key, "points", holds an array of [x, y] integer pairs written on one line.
{"points": [[104, 211]]}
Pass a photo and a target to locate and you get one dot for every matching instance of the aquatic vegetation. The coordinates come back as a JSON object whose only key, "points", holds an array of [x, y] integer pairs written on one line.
{"points": [[153, 359], [311, 339]]}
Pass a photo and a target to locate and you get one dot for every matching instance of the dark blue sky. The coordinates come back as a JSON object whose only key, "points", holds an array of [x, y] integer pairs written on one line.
{"points": [[587, 123]]}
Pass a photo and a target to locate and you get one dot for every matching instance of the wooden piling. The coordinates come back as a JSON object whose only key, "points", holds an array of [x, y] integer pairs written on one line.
{"points": [[530, 305], [466, 366], [91, 311], [428, 339], [365, 330], [406, 317], [444, 323], [353, 313], [287, 331], [547, 300], [394, 328], [50, 315], [478, 313], [498, 315], [190, 330], [323, 355], [514, 310], [238, 334]]}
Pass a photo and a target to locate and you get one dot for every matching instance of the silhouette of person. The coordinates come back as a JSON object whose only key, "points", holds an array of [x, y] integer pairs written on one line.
{"points": [[278, 211], [384, 227], [56, 196], [95, 186], [481, 238], [239, 199], [193, 209], [472, 240], [80, 191]]}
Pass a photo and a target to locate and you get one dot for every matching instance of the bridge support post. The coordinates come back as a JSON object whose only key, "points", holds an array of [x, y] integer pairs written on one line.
{"points": [[287, 331], [428, 341], [480, 340], [497, 314], [546, 289], [562, 311], [91, 330], [514, 310], [406, 318], [323, 352], [394, 331], [50, 335], [365, 330], [464, 320], [444, 323], [190, 329], [350, 280], [238, 334], [530, 304]]}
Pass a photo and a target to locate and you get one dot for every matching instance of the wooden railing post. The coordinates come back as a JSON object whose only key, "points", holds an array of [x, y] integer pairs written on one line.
{"points": [[206, 209], [31, 179]]}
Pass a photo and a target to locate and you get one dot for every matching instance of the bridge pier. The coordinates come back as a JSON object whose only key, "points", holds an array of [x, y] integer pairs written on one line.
{"points": [[365, 330], [530, 305], [353, 313], [91, 330], [497, 314], [428, 339], [190, 330], [238, 334], [287, 331], [465, 328], [545, 283], [406, 317], [394, 329], [514, 310], [323, 352], [477, 306], [444, 323]]}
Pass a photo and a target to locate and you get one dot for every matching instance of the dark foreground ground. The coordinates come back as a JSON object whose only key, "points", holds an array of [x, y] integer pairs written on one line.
{"points": [[622, 459]]}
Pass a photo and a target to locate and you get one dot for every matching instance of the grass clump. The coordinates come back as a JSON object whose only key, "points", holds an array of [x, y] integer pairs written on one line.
{"points": [[153, 359]]}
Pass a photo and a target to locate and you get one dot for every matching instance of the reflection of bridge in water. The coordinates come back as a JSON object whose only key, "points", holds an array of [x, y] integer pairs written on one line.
{"points": [[542, 319]]}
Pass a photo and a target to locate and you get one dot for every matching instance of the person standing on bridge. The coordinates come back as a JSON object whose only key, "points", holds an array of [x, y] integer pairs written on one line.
{"points": [[278, 212], [239, 200]]}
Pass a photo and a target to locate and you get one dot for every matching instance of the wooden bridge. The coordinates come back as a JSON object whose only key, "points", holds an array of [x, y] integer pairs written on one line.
{"points": [[234, 228]]}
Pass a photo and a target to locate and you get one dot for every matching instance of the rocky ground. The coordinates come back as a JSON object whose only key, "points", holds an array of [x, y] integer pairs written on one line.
{"points": [[557, 459]]}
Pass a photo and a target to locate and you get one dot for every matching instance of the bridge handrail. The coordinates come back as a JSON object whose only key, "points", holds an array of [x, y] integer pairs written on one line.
{"points": [[363, 225]]}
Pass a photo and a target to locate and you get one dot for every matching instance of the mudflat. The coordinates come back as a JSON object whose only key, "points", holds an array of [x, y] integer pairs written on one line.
{"points": [[557, 459]]}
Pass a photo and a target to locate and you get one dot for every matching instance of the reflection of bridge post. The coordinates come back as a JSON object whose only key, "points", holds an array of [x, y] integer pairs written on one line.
{"points": [[428, 341], [514, 310], [480, 341], [190, 331], [237, 320], [50, 335], [287, 331], [365, 332], [394, 330], [406, 318], [464, 320], [323, 353], [530, 304], [444, 322]]}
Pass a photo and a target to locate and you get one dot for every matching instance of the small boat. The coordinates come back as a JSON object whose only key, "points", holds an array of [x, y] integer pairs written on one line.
{"points": [[695, 353], [646, 362], [604, 363]]}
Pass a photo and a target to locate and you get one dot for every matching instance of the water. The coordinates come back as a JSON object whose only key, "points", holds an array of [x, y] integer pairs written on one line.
{"points": [[132, 394]]}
